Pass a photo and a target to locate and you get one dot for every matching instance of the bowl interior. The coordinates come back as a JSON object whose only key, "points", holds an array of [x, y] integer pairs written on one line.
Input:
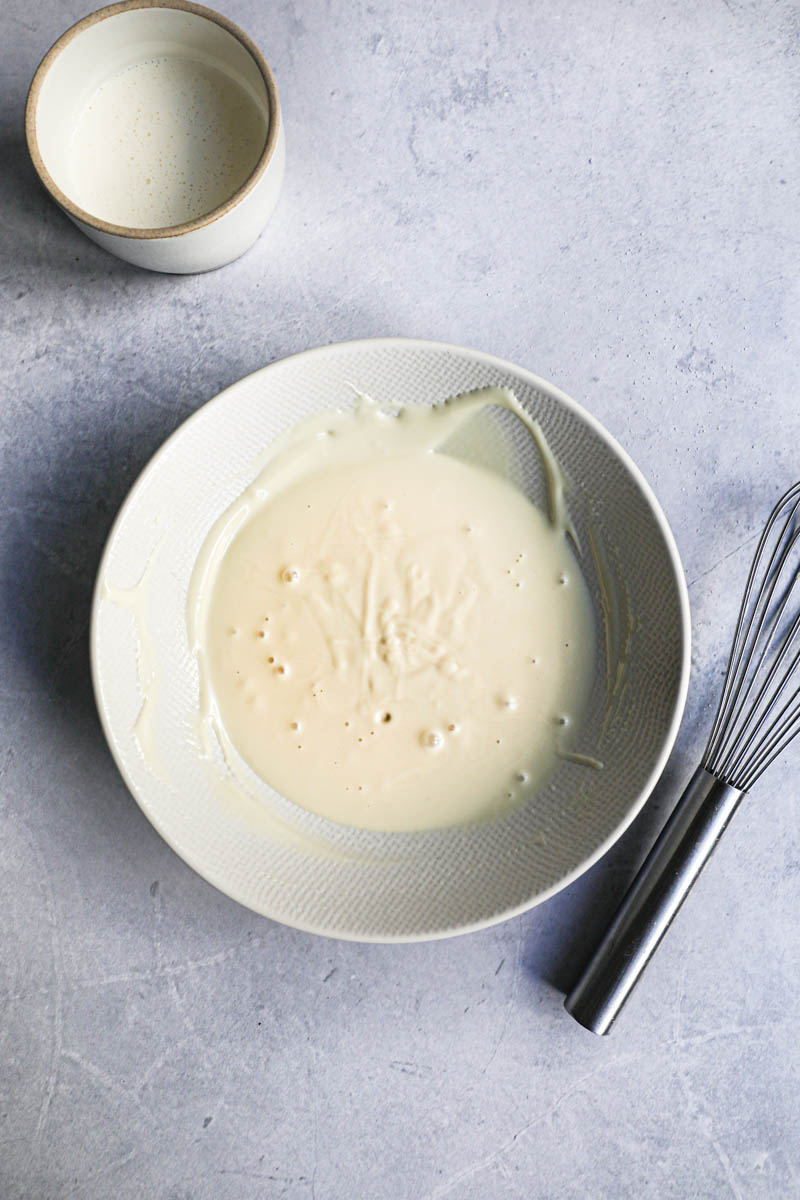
{"points": [[130, 102], [301, 869]]}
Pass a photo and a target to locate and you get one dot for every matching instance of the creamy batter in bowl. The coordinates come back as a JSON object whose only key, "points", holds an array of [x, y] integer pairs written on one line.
{"points": [[391, 637], [295, 865]]}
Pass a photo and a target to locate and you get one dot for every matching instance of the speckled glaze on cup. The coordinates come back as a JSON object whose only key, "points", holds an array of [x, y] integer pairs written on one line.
{"points": [[110, 41]]}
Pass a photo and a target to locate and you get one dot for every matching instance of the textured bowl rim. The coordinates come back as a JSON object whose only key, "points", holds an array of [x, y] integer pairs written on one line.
{"points": [[166, 231], [645, 792]]}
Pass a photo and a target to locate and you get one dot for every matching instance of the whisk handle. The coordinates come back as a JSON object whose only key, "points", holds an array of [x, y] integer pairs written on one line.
{"points": [[683, 848]]}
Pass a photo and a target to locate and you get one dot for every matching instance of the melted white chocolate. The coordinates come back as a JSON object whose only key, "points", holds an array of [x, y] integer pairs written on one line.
{"points": [[390, 637]]}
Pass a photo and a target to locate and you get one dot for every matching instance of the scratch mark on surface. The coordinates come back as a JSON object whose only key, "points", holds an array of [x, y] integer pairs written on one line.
{"points": [[158, 1062], [512, 995], [172, 988], [704, 1124], [725, 1162], [449, 1185], [724, 558], [734, 1031], [248, 1173], [676, 1028], [313, 1074], [108, 1082], [599, 99], [79, 1187], [402, 72], [57, 1032], [147, 975]]}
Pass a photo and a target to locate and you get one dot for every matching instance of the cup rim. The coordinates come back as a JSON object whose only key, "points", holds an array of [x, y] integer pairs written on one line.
{"points": [[166, 231]]}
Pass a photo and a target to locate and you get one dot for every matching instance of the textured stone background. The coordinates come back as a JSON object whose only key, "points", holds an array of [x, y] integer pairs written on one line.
{"points": [[607, 193]]}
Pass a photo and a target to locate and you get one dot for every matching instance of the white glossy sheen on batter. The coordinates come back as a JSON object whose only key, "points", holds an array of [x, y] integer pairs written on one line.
{"points": [[390, 637]]}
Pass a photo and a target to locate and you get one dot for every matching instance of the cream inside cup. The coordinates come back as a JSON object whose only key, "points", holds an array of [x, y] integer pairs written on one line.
{"points": [[165, 141], [150, 120]]}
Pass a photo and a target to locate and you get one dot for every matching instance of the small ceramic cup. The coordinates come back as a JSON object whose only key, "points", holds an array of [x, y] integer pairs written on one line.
{"points": [[155, 126]]}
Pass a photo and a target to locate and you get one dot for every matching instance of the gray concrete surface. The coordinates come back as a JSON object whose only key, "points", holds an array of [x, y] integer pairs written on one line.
{"points": [[606, 193]]}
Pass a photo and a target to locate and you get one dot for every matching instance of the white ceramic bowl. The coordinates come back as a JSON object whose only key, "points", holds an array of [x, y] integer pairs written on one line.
{"points": [[180, 36], [298, 868]]}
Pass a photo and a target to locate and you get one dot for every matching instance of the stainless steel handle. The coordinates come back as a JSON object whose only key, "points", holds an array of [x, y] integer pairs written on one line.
{"points": [[652, 901]]}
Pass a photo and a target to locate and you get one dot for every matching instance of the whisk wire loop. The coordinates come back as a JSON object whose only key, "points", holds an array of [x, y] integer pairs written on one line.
{"points": [[737, 648], [768, 696], [746, 737]]}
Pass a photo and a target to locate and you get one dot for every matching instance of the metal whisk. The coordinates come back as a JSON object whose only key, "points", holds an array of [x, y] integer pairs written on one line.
{"points": [[757, 717]]}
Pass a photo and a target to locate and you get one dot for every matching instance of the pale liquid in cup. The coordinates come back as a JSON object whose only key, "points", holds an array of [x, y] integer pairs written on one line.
{"points": [[164, 142]]}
